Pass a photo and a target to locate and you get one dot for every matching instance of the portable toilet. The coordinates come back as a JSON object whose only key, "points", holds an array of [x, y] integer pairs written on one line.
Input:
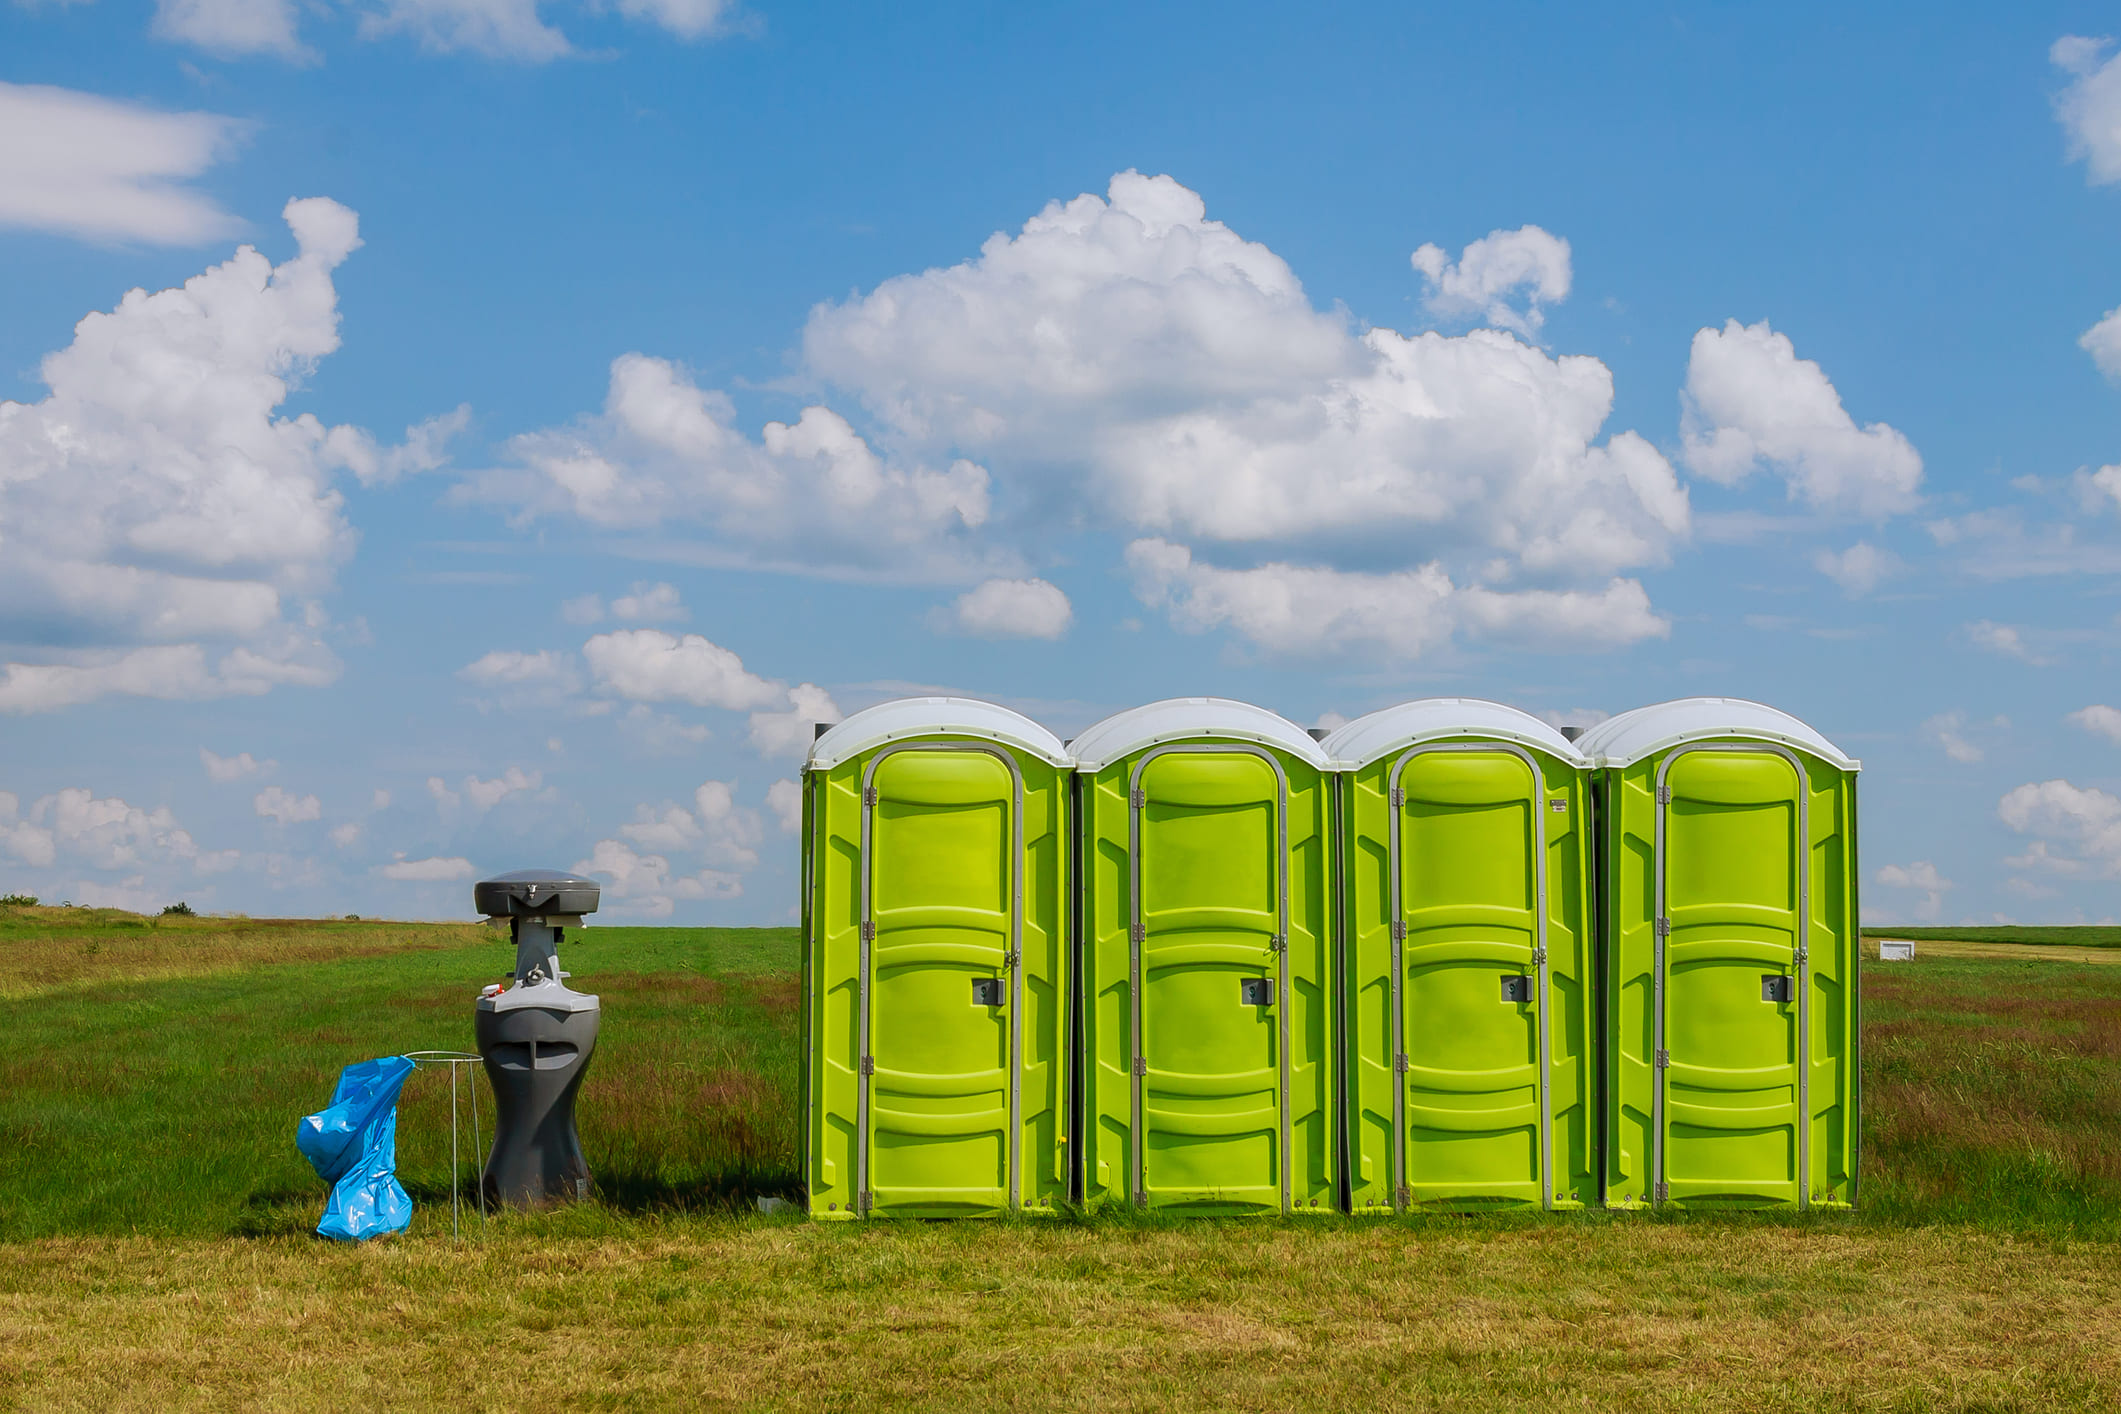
{"points": [[1469, 1020], [1206, 952], [1728, 886], [935, 963]]}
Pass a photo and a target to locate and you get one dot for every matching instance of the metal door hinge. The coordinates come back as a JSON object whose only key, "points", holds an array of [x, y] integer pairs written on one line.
{"points": [[1011, 959], [868, 932], [1276, 942], [1664, 927], [1398, 797], [1399, 932], [1405, 1196], [869, 795], [1141, 1065], [1138, 933], [1802, 954], [1664, 1060], [867, 1201], [1664, 795], [1663, 1192], [1137, 798], [868, 1065], [1539, 957], [1400, 1063]]}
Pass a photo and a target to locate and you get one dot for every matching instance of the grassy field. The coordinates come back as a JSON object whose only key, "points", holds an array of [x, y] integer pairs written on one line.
{"points": [[2076, 936], [154, 1220]]}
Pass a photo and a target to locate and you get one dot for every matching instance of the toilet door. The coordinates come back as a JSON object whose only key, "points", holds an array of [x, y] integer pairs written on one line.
{"points": [[1470, 969], [941, 932], [1210, 980], [1733, 895]]}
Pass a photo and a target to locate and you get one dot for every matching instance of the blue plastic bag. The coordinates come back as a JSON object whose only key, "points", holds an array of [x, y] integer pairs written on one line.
{"points": [[353, 1145]]}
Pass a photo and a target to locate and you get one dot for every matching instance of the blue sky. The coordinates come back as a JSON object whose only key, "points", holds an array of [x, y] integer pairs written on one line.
{"points": [[632, 384]]}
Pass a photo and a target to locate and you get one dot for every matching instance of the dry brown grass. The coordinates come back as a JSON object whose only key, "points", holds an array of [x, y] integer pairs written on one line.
{"points": [[53, 948], [1596, 1315]]}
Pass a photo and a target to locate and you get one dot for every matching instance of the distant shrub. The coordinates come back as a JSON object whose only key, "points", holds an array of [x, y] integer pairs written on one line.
{"points": [[19, 901], [353, 917], [180, 909]]}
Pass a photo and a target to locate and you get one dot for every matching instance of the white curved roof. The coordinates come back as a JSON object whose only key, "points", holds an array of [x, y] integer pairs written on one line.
{"points": [[1394, 729], [1175, 718], [933, 716], [1627, 738]]}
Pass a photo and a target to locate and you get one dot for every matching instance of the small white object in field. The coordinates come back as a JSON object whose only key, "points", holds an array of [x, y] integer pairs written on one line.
{"points": [[1895, 950], [775, 1205]]}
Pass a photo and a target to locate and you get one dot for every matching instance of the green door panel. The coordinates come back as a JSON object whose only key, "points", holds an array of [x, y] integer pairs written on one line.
{"points": [[1733, 852], [941, 883], [1470, 839], [1209, 864]]}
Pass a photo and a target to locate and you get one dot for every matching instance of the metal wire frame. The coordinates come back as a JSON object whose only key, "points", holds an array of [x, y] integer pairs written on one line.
{"points": [[455, 1060]]}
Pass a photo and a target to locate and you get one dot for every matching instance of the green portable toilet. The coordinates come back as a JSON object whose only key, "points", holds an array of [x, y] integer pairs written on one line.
{"points": [[1207, 1000], [1727, 868], [1470, 1078], [935, 963]]}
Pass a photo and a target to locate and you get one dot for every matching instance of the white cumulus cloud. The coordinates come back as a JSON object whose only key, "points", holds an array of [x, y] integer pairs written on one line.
{"points": [[725, 833], [485, 795], [788, 734], [1495, 274], [222, 769], [1012, 608], [232, 27], [1922, 877], [2103, 342], [432, 870], [108, 833], [81, 165], [1858, 569], [507, 667], [645, 884], [1306, 611], [785, 799], [155, 502], [273, 803], [664, 453], [649, 665], [2083, 821], [496, 29], [649, 603], [2003, 639], [2089, 108], [2100, 720], [1750, 402], [29, 843], [1948, 731], [1127, 359]]}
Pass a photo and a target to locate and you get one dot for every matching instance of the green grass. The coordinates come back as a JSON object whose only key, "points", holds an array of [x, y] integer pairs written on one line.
{"points": [[155, 1071], [2073, 936], [156, 1218]]}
